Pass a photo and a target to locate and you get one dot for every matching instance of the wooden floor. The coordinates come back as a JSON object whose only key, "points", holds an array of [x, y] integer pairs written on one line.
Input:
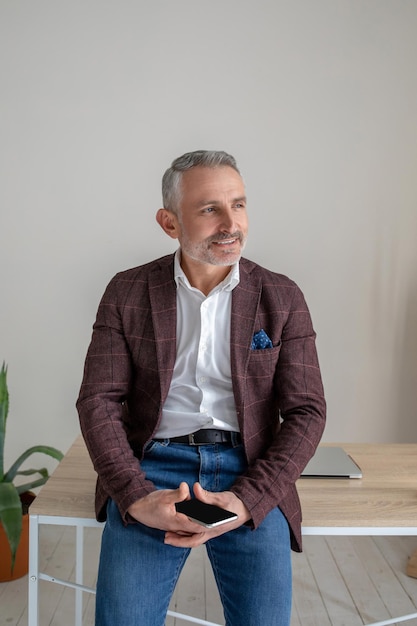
{"points": [[338, 581]]}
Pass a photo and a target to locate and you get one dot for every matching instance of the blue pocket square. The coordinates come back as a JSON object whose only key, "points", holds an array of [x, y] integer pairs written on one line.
{"points": [[260, 341]]}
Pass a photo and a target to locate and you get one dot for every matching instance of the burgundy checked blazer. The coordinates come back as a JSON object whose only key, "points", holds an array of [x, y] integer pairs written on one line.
{"points": [[278, 391]]}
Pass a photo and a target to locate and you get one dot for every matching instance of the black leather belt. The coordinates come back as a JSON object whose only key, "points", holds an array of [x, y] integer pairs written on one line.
{"points": [[206, 436]]}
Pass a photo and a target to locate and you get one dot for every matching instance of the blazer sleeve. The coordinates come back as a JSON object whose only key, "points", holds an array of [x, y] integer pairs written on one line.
{"points": [[101, 403]]}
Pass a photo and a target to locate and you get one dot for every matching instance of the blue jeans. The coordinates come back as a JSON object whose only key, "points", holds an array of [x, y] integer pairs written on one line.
{"points": [[138, 572]]}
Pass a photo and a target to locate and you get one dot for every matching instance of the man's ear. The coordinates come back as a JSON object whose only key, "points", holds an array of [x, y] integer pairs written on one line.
{"points": [[168, 221]]}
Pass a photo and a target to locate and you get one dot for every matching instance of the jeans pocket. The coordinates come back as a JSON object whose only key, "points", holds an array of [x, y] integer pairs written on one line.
{"points": [[153, 446]]}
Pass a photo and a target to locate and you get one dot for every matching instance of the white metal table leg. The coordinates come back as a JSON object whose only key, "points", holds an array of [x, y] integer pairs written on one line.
{"points": [[394, 620], [33, 591], [79, 567], [193, 620]]}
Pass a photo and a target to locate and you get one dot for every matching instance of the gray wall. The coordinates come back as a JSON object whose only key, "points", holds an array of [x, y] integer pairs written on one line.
{"points": [[317, 100]]}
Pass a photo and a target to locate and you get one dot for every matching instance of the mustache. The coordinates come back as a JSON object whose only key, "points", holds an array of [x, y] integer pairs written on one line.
{"points": [[224, 236]]}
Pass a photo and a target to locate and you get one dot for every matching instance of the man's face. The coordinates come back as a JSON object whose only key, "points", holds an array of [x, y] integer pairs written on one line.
{"points": [[212, 218]]}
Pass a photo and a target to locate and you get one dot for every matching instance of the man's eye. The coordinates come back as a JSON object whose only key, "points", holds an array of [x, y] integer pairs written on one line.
{"points": [[208, 209]]}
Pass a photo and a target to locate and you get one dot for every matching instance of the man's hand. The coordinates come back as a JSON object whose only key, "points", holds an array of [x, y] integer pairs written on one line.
{"points": [[157, 510], [225, 499]]}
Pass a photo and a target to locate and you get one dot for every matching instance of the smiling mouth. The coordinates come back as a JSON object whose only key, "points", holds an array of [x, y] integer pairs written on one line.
{"points": [[224, 239], [225, 242]]}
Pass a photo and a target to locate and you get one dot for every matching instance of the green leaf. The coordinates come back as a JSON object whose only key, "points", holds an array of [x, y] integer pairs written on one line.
{"points": [[53, 452], [32, 485], [43, 472], [4, 410], [11, 516]]}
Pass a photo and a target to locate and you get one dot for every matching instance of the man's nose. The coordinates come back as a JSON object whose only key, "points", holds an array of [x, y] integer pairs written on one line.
{"points": [[228, 222]]}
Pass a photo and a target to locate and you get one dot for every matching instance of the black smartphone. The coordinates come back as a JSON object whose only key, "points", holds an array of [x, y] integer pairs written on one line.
{"points": [[208, 515]]}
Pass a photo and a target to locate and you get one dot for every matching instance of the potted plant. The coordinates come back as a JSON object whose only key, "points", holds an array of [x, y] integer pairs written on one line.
{"points": [[12, 496]]}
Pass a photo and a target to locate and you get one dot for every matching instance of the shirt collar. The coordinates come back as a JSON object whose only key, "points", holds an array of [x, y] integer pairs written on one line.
{"points": [[228, 284]]}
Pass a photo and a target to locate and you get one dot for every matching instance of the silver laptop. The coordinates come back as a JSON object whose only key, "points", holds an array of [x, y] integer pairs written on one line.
{"points": [[332, 462]]}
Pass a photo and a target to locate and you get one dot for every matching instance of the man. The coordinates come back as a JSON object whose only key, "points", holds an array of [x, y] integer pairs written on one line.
{"points": [[201, 380]]}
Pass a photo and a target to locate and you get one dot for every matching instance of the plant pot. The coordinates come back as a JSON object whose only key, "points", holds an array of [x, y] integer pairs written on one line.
{"points": [[21, 565]]}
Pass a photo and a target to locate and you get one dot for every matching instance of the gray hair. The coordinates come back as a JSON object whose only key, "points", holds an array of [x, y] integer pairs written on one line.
{"points": [[171, 181]]}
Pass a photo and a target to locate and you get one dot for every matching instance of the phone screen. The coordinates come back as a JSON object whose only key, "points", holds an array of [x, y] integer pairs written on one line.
{"points": [[208, 515]]}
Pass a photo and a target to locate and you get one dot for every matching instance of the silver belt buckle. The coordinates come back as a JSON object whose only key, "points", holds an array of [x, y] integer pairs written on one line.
{"points": [[191, 440]]}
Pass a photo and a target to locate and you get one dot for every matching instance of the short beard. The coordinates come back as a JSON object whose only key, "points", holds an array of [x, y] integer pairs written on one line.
{"points": [[201, 252]]}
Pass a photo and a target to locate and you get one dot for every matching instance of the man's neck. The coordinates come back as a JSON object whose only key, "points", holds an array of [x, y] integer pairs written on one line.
{"points": [[203, 276]]}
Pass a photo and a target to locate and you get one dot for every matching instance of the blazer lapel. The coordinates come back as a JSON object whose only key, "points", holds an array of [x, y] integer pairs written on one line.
{"points": [[245, 302], [162, 294]]}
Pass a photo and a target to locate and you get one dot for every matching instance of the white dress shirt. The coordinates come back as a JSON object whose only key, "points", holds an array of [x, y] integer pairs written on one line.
{"points": [[201, 394]]}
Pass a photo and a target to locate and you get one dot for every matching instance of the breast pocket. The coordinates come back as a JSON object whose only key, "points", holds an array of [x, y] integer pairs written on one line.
{"points": [[263, 362]]}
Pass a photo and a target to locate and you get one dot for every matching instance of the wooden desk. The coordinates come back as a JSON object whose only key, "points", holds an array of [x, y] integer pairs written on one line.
{"points": [[70, 490], [383, 502]]}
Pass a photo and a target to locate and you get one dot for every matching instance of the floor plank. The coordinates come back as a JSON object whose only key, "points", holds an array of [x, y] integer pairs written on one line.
{"points": [[368, 602], [308, 608], [387, 583], [335, 595]]}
